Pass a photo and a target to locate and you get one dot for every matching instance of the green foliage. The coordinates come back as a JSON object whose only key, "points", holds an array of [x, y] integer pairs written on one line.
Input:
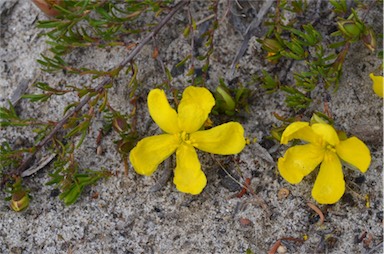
{"points": [[84, 24], [45, 96], [89, 23], [230, 101], [70, 181], [340, 6], [269, 83], [293, 41], [249, 251], [80, 25], [9, 157], [106, 24], [204, 35], [9, 117]]}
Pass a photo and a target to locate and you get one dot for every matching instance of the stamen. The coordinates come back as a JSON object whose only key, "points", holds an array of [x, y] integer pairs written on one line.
{"points": [[185, 137], [331, 148]]}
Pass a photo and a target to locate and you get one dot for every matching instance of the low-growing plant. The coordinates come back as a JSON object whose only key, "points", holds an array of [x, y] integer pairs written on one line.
{"points": [[292, 37]]}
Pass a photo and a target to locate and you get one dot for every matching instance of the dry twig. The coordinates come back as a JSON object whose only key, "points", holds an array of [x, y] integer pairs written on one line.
{"points": [[99, 88], [318, 211]]}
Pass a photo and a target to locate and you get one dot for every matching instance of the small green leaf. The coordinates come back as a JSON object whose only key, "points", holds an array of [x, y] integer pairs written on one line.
{"points": [[37, 97]]}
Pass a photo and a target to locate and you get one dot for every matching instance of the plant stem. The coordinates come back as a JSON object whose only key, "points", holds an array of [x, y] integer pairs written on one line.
{"points": [[107, 80]]}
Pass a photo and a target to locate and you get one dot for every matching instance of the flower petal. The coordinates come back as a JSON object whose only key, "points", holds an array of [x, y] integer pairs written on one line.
{"points": [[298, 130], [194, 108], [188, 175], [354, 152], [161, 112], [151, 151], [326, 132], [378, 84], [329, 185], [224, 139], [299, 161]]}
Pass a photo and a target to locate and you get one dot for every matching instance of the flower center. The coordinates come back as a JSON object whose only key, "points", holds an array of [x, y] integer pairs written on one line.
{"points": [[330, 148], [185, 137]]}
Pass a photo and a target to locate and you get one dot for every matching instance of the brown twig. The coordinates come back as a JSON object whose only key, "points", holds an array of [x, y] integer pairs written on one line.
{"points": [[251, 30], [274, 247], [259, 200], [157, 56], [192, 33], [247, 183], [248, 187], [99, 88], [318, 211]]}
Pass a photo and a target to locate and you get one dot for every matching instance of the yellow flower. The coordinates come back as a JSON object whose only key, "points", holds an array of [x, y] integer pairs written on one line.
{"points": [[324, 147], [378, 83], [182, 135]]}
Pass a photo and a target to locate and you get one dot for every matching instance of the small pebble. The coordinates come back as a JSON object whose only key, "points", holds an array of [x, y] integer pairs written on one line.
{"points": [[283, 193], [245, 222], [282, 249]]}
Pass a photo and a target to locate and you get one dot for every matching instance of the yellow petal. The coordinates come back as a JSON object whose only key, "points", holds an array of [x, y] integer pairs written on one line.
{"points": [[188, 175], [161, 112], [151, 151], [194, 108], [354, 152], [378, 83], [298, 130], [326, 132], [299, 161], [329, 185], [224, 139]]}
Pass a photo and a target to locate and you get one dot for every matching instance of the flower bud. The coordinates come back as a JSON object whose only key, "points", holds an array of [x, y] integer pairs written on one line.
{"points": [[317, 118], [369, 39], [271, 45], [230, 104], [277, 133], [119, 124], [350, 28], [70, 197], [19, 201]]}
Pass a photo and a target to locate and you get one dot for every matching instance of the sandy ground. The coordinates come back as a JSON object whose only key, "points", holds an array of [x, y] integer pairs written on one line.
{"points": [[127, 217]]}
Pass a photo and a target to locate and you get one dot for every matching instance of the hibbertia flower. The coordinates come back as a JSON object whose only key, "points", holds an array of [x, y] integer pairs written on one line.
{"points": [[182, 134], [325, 148], [378, 84]]}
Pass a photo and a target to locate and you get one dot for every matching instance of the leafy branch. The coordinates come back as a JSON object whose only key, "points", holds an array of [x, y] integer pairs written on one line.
{"points": [[66, 32], [99, 88], [323, 62]]}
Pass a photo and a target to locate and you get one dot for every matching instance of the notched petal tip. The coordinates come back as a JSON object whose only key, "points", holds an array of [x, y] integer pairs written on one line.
{"points": [[193, 188], [161, 112], [224, 139], [189, 178], [329, 186], [194, 108], [293, 177], [298, 130], [299, 161], [149, 152], [354, 152]]}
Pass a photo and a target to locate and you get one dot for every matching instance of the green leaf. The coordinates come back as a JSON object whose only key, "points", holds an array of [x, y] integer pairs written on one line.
{"points": [[37, 97], [50, 24], [182, 62]]}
